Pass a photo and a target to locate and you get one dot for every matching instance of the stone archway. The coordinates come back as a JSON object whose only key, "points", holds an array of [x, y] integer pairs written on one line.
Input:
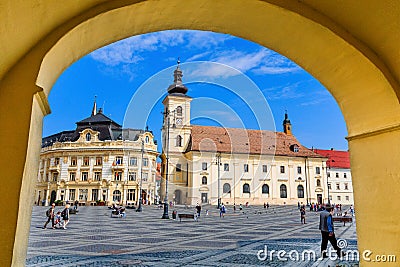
{"points": [[362, 81]]}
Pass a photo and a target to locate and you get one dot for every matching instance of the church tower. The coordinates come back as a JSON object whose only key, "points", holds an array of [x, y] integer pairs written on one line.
{"points": [[177, 115], [287, 126]]}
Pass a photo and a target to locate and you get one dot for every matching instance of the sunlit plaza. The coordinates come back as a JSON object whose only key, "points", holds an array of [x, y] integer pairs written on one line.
{"points": [[94, 238]]}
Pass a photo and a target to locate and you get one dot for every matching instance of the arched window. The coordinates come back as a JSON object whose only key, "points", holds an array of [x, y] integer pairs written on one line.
{"points": [[147, 139], [300, 191], [226, 188], [265, 189], [88, 137], [246, 188], [283, 191], [318, 182], [179, 141], [204, 180], [179, 111], [117, 196]]}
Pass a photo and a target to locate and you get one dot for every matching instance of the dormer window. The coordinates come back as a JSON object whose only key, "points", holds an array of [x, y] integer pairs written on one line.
{"points": [[294, 148], [147, 139], [88, 137]]}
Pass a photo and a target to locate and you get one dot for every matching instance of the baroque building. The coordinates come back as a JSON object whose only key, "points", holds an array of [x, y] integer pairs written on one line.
{"points": [[206, 164], [98, 163], [339, 179]]}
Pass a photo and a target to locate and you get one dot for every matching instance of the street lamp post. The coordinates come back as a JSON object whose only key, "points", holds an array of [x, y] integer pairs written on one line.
{"points": [[219, 178], [327, 182], [165, 214], [140, 208]]}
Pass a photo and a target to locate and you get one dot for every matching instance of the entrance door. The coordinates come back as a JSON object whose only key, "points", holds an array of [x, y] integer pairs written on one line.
{"points": [[178, 196], [144, 197], [319, 198], [52, 197], [204, 198]]}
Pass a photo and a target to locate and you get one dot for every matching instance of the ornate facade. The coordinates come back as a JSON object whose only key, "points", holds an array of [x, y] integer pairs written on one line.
{"points": [[207, 164], [97, 163]]}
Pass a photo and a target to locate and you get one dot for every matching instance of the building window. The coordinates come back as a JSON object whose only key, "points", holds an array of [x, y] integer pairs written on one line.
{"points": [[226, 188], [265, 189], [97, 176], [145, 162], [72, 176], [56, 161], [317, 170], [246, 188], [86, 161], [283, 191], [55, 176], [73, 161], [337, 175], [118, 176], [337, 186], [246, 167], [179, 111], [95, 194], [147, 139], [131, 195], [338, 198], [132, 176], [264, 168], [119, 160], [204, 166], [72, 194], [300, 191], [178, 167], [99, 161], [204, 180], [299, 169], [117, 196], [226, 167], [344, 175], [318, 182], [83, 194], [295, 149], [346, 186], [145, 177], [178, 141], [282, 169], [88, 137], [85, 176], [133, 161], [347, 198], [329, 174], [329, 186], [330, 197]]}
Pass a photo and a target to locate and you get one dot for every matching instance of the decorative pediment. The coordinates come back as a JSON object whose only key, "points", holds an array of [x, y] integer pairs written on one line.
{"points": [[88, 135]]}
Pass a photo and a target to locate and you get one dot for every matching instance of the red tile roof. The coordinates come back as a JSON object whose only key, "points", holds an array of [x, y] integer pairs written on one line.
{"points": [[236, 140], [337, 159]]}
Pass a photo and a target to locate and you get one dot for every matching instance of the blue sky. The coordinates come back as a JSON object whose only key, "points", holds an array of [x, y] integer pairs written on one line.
{"points": [[234, 83]]}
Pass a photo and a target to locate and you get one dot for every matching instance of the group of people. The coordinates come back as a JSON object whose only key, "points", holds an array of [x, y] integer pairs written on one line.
{"points": [[55, 217]]}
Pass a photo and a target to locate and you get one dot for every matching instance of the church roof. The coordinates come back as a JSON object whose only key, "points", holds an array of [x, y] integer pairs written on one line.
{"points": [[245, 141], [336, 158]]}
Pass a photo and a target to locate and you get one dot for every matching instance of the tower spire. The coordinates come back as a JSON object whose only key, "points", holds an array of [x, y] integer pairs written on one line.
{"points": [[287, 126], [94, 109], [177, 86]]}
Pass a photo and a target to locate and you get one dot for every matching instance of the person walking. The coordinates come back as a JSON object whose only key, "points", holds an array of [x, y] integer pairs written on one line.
{"points": [[222, 211], [198, 208], [303, 215], [50, 216], [65, 216], [328, 232]]}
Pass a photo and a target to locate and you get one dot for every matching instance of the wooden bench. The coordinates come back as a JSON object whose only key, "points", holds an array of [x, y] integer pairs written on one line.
{"points": [[342, 219], [185, 215]]}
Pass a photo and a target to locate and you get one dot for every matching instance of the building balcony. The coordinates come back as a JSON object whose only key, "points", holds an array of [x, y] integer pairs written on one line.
{"points": [[72, 167], [117, 167], [98, 167], [85, 167], [54, 168]]}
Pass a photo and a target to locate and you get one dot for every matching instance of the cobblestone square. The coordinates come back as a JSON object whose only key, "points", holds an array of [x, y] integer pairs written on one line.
{"points": [[93, 238]]}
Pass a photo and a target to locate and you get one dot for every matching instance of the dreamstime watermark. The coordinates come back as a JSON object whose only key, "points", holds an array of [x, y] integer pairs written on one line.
{"points": [[312, 255]]}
